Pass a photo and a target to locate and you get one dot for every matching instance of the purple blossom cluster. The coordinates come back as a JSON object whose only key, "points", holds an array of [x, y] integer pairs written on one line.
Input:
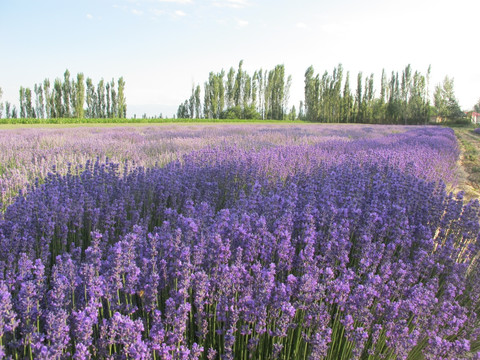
{"points": [[339, 250], [476, 130], [26, 154]]}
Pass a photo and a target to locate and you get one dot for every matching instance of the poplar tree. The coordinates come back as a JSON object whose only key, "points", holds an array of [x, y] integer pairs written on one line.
{"points": [[383, 87], [221, 92], [310, 99], [107, 92], [101, 99], [247, 92], [57, 89], [405, 91], [230, 88], [286, 97], [254, 89], [80, 97], [191, 102], [276, 86], [122, 104], [301, 114], [347, 100], [261, 93], [73, 98], [39, 101], [207, 113], [29, 110], [22, 102], [14, 112], [113, 97], [1, 103], [7, 110], [198, 103], [66, 94], [46, 91], [358, 99], [90, 99], [211, 96]]}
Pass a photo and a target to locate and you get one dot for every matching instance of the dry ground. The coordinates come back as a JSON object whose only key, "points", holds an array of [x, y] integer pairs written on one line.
{"points": [[469, 162]]}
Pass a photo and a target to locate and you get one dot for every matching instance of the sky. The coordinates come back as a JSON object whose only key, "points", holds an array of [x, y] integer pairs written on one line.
{"points": [[163, 47]]}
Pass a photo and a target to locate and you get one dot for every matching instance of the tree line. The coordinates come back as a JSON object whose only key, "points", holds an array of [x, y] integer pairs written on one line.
{"points": [[70, 98], [403, 97], [240, 95]]}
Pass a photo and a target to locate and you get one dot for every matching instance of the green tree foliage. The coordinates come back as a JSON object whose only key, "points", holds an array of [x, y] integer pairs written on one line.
{"points": [[183, 111], [122, 101], [402, 99], [198, 103], [66, 94], [113, 99], [48, 100], [91, 99], [238, 85], [58, 106], [446, 104], [230, 87], [1, 103], [8, 115], [358, 108], [240, 95], [14, 112], [347, 102], [29, 110], [22, 102], [80, 96], [68, 98], [276, 93], [108, 105], [101, 101], [214, 97], [39, 101]]}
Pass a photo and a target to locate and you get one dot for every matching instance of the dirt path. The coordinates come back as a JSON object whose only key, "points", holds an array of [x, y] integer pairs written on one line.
{"points": [[469, 163]]}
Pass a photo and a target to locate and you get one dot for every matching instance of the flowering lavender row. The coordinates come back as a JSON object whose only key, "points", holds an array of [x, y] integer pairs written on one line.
{"points": [[341, 250], [26, 154]]}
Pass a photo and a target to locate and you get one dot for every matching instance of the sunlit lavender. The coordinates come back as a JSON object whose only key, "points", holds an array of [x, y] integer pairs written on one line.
{"points": [[267, 244], [27, 154]]}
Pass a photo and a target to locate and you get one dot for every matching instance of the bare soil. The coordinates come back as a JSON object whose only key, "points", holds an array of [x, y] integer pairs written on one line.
{"points": [[469, 179]]}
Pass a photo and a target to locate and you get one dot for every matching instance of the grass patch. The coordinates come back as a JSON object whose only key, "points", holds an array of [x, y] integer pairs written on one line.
{"points": [[118, 121]]}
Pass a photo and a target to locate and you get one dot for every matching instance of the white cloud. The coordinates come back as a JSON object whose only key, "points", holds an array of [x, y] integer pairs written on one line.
{"points": [[301, 25], [137, 12], [121, 7], [89, 16], [157, 12], [176, 1], [180, 13], [236, 4], [242, 23]]}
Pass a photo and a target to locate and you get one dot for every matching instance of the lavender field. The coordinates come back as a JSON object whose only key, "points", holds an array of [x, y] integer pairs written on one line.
{"points": [[236, 242]]}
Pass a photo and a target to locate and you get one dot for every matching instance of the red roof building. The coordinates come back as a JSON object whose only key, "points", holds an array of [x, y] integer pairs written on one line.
{"points": [[474, 117]]}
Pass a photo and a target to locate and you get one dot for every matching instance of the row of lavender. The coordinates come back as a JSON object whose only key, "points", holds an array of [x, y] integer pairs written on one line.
{"points": [[26, 154], [345, 249]]}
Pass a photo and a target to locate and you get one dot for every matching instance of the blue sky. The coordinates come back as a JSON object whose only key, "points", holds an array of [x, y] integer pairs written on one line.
{"points": [[161, 47]]}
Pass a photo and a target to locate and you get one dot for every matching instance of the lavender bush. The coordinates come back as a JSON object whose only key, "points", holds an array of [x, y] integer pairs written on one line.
{"points": [[338, 250], [27, 154], [477, 130]]}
